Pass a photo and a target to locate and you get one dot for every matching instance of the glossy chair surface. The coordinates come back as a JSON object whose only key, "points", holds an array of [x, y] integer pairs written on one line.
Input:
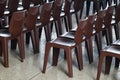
{"points": [[66, 44], [14, 32], [31, 29], [107, 53], [56, 11], [44, 21]]}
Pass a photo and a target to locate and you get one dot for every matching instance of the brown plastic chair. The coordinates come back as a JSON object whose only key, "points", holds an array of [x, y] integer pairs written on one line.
{"points": [[56, 11], [66, 15], [89, 29], [14, 32], [2, 9], [67, 44], [108, 53], [31, 29], [77, 8], [98, 28], [107, 23], [117, 20], [44, 21]]}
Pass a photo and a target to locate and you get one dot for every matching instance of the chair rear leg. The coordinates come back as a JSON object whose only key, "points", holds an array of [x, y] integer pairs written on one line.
{"points": [[108, 64], [21, 47], [13, 44], [56, 52], [89, 50], [28, 34], [117, 61], [79, 56], [35, 41]]}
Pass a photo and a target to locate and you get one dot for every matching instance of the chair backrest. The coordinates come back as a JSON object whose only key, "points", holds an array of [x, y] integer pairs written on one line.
{"points": [[31, 18], [108, 16], [79, 34], [26, 4], [56, 9], [88, 30], [13, 5], [16, 23], [99, 20], [117, 13], [37, 2], [2, 7], [78, 4], [67, 7], [45, 13]]}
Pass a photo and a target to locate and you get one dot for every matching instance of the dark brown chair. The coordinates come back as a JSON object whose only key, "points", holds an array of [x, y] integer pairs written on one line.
{"points": [[44, 21], [117, 20], [30, 27], [56, 11], [107, 53], [77, 8], [67, 44], [66, 15], [98, 28], [14, 32], [107, 23]]}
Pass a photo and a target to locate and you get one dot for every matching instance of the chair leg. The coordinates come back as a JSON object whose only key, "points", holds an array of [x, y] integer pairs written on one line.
{"points": [[99, 42], [47, 49], [47, 32], [21, 47], [28, 34], [79, 56], [56, 52], [69, 62], [0, 49], [5, 52], [117, 61], [116, 27], [100, 65], [90, 50], [35, 41], [13, 44], [58, 27], [108, 64]]}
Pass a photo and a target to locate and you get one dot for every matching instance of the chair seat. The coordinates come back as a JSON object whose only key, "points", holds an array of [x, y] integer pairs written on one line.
{"points": [[4, 33], [112, 49], [63, 42]]}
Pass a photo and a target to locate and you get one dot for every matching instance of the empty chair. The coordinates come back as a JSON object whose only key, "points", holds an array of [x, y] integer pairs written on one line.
{"points": [[14, 32], [107, 24], [31, 29], [98, 28], [66, 44], [88, 33], [107, 53], [44, 21], [56, 11]]}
